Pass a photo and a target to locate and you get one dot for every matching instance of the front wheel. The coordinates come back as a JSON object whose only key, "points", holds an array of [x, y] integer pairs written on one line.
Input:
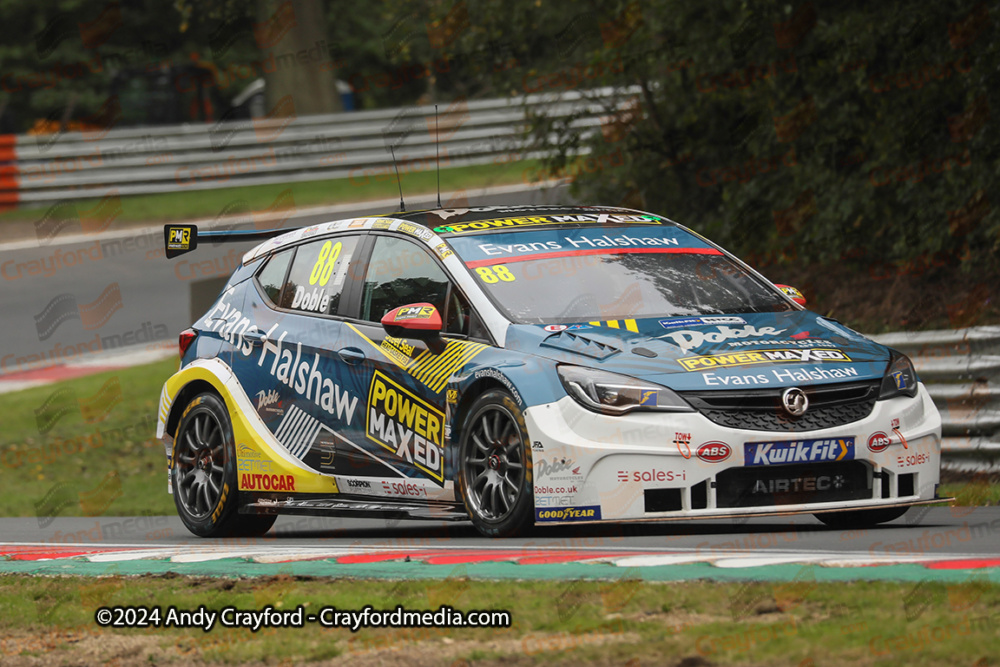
{"points": [[204, 473], [494, 471], [861, 518]]}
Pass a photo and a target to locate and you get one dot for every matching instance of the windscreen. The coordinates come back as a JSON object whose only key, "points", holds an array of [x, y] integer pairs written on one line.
{"points": [[576, 274]]}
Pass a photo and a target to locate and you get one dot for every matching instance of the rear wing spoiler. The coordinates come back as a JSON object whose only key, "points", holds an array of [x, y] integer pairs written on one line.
{"points": [[182, 239]]}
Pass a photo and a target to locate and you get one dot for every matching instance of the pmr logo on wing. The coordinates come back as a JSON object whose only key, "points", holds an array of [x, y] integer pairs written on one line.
{"points": [[179, 239], [590, 513], [798, 451], [406, 425], [414, 313], [810, 355]]}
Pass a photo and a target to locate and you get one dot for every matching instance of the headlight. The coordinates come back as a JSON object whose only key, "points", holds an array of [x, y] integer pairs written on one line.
{"points": [[615, 394], [900, 378]]}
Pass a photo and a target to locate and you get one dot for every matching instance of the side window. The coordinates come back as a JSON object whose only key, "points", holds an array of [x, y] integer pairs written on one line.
{"points": [[272, 276], [401, 272], [316, 281]]}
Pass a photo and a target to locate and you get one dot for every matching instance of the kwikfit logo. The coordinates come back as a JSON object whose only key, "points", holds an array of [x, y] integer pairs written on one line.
{"points": [[798, 451]]}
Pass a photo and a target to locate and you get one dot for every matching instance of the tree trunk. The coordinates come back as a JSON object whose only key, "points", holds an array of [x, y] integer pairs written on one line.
{"points": [[296, 58]]}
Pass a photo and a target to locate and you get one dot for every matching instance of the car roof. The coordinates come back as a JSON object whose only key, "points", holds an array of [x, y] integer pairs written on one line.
{"points": [[433, 226]]}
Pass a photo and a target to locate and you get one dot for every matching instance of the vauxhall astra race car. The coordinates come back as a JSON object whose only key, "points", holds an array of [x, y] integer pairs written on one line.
{"points": [[530, 365]]}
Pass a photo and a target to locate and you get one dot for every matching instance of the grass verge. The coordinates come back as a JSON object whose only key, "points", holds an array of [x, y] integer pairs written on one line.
{"points": [[86, 446], [378, 184], [623, 622]]}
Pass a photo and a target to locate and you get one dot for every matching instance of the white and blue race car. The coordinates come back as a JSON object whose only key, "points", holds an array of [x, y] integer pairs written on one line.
{"points": [[530, 365]]}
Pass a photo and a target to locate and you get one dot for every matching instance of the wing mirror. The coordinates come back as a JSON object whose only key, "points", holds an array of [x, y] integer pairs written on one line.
{"points": [[421, 321], [792, 294]]}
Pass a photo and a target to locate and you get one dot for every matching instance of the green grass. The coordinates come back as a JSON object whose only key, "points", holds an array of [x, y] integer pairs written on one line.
{"points": [[190, 204], [75, 457], [624, 622], [973, 493]]}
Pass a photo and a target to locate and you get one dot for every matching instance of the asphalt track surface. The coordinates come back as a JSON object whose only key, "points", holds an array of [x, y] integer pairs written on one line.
{"points": [[971, 532], [153, 295]]}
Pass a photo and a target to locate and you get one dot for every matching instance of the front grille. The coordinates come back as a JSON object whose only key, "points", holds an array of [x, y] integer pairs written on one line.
{"points": [[761, 409], [799, 484]]}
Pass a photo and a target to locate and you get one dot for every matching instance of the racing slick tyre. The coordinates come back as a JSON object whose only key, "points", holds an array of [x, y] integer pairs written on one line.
{"points": [[861, 518], [494, 470], [204, 475]]}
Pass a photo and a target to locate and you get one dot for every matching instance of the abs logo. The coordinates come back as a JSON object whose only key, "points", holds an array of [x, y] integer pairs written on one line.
{"points": [[878, 442], [714, 452]]}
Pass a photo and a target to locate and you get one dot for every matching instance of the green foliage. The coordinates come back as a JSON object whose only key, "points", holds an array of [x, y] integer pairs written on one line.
{"points": [[812, 132]]}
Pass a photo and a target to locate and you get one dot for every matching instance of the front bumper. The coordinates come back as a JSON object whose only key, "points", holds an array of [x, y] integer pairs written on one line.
{"points": [[645, 466]]}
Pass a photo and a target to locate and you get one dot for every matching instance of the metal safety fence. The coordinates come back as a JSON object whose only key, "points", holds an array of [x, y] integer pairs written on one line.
{"points": [[961, 369], [282, 148]]}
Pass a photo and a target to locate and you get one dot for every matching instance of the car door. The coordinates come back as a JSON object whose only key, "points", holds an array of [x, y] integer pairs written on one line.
{"points": [[403, 381], [291, 371]]}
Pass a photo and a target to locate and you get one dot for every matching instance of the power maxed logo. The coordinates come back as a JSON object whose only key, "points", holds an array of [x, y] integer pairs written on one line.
{"points": [[762, 357], [798, 451], [590, 513], [405, 425]]}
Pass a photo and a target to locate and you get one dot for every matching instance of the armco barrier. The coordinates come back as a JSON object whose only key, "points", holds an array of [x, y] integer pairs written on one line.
{"points": [[76, 165], [961, 369]]}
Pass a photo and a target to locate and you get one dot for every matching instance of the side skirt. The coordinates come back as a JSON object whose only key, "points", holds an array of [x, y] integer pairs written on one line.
{"points": [[347, 506]]}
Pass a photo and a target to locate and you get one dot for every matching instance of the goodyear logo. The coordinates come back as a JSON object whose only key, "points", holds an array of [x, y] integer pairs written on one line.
{"points": [[798, 451], [712, 361], [590, 513], [179, 238], [406, 425]]}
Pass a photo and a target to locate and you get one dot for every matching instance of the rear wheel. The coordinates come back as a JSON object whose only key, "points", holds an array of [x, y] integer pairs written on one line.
{"points": [[494, 472], [861, 518], [204, 473]]}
